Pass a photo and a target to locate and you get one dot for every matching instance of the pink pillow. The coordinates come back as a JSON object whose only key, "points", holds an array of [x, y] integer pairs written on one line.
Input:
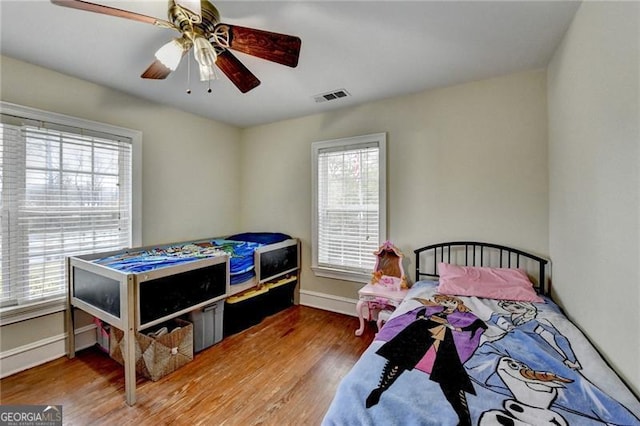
{"points": [[492, 283]]}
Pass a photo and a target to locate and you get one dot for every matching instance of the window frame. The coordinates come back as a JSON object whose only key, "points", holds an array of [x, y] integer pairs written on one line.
{"points": [[316, 147], [12, 314]]}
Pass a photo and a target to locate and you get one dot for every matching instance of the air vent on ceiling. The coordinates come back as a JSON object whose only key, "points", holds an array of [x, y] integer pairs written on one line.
{"points": [[331, 96]]}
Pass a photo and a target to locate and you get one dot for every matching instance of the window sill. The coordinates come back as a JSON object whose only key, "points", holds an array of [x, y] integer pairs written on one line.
{"points": [[13, 314], [341, 274]]}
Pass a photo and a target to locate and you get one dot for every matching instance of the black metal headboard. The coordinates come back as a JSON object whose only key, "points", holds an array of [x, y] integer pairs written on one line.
{"points": [[473, 253]]}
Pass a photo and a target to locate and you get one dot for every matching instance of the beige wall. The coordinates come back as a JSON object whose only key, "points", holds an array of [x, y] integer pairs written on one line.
{"points": [[190, 173], [464, 162], [190, 176], [594, 137]]}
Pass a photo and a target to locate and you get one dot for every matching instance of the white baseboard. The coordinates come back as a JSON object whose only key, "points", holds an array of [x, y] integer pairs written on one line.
{"points": [[328, 302], [44, 350]]}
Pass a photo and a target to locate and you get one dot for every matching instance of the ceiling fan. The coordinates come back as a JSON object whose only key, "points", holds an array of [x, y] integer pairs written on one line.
{"points": [[198, 21]]}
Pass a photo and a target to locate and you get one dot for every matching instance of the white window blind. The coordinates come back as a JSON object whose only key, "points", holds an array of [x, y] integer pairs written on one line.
{"points": [[64, 191], [349, 203]]}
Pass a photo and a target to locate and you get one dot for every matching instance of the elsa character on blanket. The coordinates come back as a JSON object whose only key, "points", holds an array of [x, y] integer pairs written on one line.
{"points": [[522, 331]]}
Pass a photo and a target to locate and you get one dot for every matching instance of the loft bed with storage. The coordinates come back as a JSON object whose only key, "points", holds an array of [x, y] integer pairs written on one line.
{"points": [[478, 341], [138, 289]]}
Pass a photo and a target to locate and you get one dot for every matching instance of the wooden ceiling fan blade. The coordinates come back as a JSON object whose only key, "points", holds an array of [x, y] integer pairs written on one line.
{"points": [[112, 11], [235, 70], [281, 48], [156, 71]]}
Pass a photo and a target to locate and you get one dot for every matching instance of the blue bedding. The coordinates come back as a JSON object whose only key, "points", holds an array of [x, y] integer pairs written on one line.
{"points": [[241, 255], [260, 237], [241, 259], [476, 361], [159, 257]]}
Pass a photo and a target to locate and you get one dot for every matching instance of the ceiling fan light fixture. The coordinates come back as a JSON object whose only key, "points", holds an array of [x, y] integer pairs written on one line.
{"points": [[170, 54], [207, 73], [206, 57]]}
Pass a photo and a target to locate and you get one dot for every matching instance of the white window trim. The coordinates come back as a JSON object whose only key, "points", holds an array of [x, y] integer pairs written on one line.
{"points": [[14, 314], [341, 274]]}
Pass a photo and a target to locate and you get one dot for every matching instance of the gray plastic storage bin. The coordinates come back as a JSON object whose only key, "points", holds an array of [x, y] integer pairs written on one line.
{"points": [[207, 325]]}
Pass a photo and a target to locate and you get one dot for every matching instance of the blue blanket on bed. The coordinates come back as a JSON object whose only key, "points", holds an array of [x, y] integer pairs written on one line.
{"points": [[240, 248], [473, 361], [136, 261], [241, 259], [241, 264]]}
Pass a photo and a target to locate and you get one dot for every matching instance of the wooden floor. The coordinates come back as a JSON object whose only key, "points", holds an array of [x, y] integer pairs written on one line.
{"points": [[283, 371]]}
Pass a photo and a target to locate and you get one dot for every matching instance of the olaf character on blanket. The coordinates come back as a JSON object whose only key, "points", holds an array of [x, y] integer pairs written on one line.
{"points": [[533, 392]]}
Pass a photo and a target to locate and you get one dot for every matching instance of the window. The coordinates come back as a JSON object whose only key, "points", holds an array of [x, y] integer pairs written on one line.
{"points": [[349, 205], [64, 190]]}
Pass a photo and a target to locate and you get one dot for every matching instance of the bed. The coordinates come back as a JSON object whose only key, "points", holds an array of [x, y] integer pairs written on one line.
{"points": [[138, 288], [254, 257], [478, 341]]}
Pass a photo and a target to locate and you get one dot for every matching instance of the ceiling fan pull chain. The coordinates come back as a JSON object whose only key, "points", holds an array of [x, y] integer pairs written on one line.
{"points": [[188, 75]]}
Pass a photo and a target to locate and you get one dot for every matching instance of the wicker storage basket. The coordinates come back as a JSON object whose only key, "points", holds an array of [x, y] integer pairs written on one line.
{"points": [[157, 357]]}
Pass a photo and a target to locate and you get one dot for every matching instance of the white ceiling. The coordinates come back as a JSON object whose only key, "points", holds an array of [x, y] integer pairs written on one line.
{"points": [[373, 49]]}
